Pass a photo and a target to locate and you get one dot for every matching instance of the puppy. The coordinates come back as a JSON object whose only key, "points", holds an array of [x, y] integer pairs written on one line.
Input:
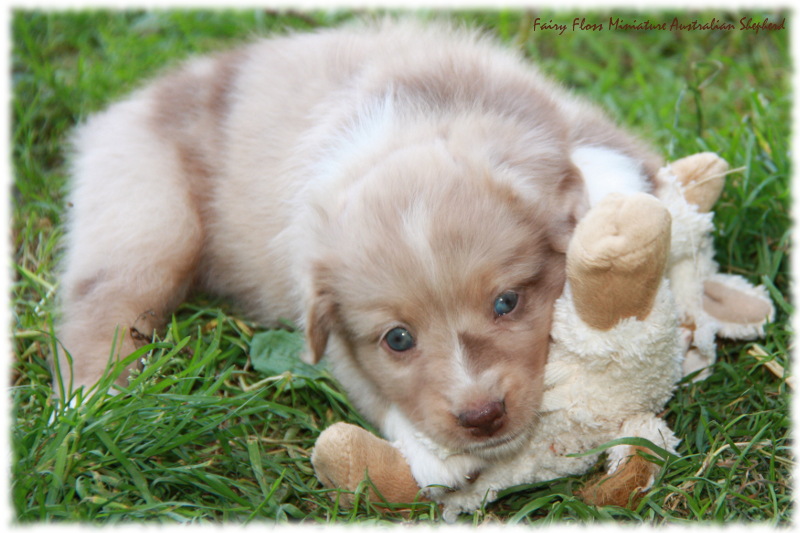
{"points": [[404, 193]]}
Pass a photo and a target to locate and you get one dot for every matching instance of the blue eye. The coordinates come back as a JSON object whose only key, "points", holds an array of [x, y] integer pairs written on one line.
{"points": [[399, 339], [505, 303]]}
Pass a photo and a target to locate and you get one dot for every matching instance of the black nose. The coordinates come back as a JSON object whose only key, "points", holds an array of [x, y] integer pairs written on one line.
{"points": [[484, 421]]}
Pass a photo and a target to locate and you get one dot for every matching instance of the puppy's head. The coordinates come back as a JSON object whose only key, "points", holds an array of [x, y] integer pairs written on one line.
{"points": [[436, 289]]}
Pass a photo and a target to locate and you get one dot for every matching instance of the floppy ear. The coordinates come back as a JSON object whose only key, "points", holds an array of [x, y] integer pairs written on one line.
{"points": [[572, 204], [319, 323], [320, 318]]}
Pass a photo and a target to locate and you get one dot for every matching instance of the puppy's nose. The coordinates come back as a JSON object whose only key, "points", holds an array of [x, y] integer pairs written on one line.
{"points": [[484, 421]]}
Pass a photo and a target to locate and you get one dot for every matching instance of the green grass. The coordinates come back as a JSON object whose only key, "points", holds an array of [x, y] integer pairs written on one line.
{"points": [[200, 436]]}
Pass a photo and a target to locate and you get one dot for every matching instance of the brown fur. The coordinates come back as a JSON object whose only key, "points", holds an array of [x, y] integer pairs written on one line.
{"points": [[190, 108], [448, 298], [350, 181]]}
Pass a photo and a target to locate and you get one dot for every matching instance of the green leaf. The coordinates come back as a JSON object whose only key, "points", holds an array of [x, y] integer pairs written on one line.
{"points": [[277, 352]]}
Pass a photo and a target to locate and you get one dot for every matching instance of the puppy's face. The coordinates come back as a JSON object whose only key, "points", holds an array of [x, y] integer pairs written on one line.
{"points": [[438, 284]]}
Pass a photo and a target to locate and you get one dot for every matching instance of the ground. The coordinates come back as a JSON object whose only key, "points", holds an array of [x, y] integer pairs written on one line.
{"points": [[204, 435]]}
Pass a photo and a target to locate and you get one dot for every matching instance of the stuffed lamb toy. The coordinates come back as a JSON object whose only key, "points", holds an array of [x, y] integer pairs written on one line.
{"points": [[642, 307]]}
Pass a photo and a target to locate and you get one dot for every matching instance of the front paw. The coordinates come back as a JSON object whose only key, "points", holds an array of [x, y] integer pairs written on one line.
{"points": [[467, 500], [449, 484]]}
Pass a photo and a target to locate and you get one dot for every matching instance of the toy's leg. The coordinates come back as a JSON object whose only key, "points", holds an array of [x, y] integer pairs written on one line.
{"points": [[345, 454], [712, 304], [702, 177], [725, 297], [625, 484], [629, 473], [616, 259]]}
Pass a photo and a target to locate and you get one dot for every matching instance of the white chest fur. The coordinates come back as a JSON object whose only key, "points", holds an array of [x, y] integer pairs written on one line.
{"points": [[606, 171]]}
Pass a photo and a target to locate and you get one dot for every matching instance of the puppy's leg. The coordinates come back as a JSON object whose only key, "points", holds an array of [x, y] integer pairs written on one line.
{"points": [[133, 239]]}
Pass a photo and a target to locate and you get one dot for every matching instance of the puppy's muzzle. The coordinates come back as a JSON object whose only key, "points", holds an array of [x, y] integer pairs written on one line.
{"points": [[484, 421]]}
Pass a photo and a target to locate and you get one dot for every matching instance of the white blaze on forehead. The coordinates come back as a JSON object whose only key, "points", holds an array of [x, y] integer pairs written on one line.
{"points": [[417, 224]]}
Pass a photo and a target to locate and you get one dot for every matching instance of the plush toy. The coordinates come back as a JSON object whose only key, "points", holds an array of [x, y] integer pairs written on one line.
{"points": [[641, 308]]}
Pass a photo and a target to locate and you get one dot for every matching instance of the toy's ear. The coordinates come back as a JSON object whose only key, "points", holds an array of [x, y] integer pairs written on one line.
{"points": [[320, 318], [573, 202], [741, 308]]}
